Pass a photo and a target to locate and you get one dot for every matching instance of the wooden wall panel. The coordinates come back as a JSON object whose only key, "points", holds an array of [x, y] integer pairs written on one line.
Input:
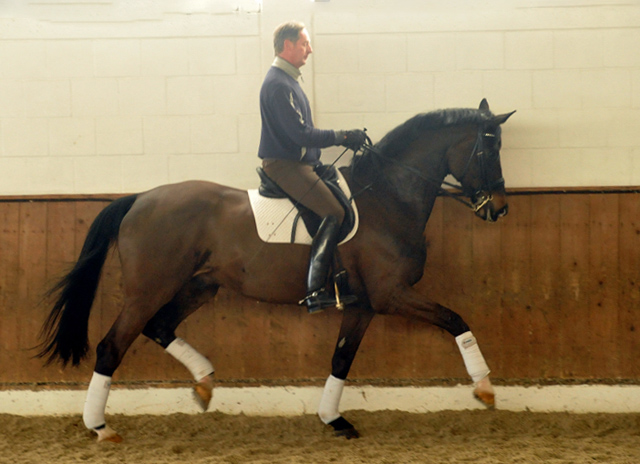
{"points": [[572, 287], [516, 271], [10, 277], [628, 332], [551, 292], [32, 268], [603, 309], [545, 331]]}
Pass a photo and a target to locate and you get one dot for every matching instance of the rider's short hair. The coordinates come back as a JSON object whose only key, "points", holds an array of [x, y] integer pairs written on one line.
{"points": [[286, 31]]}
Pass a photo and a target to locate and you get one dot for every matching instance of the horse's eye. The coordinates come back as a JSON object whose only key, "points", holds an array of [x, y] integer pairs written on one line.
{"points": [[492, 146]]}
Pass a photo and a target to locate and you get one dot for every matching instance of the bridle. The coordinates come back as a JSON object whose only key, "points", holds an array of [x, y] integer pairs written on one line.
{"points": [[477, 199], [482, 196]]}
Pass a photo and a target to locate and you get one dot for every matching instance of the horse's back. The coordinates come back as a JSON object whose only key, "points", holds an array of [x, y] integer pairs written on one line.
{"points": [[193, 197], [180, 212], [190, 190]]}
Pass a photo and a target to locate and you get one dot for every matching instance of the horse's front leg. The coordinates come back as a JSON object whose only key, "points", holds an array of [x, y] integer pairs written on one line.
{"points": [[411, 304], [355, 321]]}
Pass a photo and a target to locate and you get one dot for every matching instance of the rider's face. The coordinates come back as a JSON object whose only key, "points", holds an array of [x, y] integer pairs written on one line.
{"points": [[297, 52]]}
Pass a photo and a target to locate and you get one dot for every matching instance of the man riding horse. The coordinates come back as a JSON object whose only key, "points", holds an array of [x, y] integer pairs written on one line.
{"points": [[290, 149]]}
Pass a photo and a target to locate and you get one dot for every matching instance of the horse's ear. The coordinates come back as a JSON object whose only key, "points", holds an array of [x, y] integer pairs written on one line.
{"points": [[501, 118], [484, 105]]}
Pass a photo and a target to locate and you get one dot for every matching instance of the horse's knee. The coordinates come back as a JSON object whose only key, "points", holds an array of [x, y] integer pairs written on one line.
{"points": [[343, 358]]}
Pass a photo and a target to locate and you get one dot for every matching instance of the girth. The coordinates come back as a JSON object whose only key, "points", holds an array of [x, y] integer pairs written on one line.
{"points": [[269, 189]]}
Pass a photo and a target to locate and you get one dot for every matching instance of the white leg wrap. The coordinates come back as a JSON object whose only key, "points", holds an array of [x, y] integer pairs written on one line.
{"points": [[472, 357], [198, 365], [96, 401], [328, 409]]}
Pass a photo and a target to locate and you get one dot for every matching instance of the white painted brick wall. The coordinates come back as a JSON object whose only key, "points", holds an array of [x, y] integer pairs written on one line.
{"points": [[23, 59], [479, 50], [408, 92], [72, 137], [164, 57], [69, 58], [212, 56], [528, 50], [119, 96], [190, 95], [25, 137], [119, 135], [138, 96], [432, 52], [99, 96], [167, 135], [117, 58]]}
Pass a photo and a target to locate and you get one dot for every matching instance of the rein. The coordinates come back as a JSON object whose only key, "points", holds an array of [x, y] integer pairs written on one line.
{"points": [[482, 197]]}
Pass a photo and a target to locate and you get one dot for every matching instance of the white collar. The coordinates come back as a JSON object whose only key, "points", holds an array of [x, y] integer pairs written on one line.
{"points": [[287, 67]]}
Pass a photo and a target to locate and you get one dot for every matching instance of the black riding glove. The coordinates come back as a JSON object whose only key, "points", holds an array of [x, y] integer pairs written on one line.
{"points": [[353, 139]]}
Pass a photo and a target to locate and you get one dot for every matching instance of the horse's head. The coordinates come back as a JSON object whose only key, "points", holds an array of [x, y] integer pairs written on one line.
{"points": [[475, 163]]}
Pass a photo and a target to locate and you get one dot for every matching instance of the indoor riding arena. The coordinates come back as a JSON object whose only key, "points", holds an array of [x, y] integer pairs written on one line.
{"points": [[103, 99]]}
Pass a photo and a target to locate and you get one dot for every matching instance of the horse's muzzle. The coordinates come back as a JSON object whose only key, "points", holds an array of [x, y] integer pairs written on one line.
{"points": [[493, 210]]}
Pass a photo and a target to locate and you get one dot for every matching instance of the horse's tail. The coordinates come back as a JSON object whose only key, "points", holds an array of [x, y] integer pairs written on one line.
{"points": [[65, 331]]}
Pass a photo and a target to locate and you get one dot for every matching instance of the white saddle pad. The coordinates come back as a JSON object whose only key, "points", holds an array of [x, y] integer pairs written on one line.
{"points": [[275, 216]]}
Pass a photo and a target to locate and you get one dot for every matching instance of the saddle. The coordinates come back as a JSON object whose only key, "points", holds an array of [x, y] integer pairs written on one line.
{"points": [[329, 174]]}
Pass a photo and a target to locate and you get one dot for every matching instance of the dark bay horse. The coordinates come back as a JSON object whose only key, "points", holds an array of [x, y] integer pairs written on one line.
{"points": [[179, 243]]}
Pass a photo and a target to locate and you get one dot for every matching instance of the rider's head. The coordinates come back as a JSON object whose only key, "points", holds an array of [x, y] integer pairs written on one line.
{"points": [[291, 42]]}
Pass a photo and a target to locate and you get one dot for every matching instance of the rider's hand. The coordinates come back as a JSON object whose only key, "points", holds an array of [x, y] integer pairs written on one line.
{"points": [[352, 139]]}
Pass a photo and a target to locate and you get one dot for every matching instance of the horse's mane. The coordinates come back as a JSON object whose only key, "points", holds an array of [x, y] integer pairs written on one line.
{"points": [[373, 161], [398, 139]]}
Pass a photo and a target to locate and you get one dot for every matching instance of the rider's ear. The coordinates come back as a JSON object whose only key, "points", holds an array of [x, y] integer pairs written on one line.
{"points": [[501, 118]]}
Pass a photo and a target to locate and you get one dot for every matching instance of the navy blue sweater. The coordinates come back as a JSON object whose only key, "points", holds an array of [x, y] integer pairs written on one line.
{"points": [[287, 126]]}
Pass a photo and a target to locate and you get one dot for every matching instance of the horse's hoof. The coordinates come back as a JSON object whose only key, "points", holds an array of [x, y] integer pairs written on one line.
{"points": [[343, 428], [484, 393], [108, 434], [348, 433], [203, 392], [486, 398]]}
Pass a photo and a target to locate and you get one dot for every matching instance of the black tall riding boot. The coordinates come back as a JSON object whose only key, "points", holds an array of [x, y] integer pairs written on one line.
{"points": [[322, 249]]}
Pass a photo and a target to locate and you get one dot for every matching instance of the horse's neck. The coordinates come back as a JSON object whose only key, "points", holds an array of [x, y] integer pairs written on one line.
{"points": [[406, 195], [416, 185]]}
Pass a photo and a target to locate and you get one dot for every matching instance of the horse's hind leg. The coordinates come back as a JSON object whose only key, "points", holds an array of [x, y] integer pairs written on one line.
{"points": [[109, 353], [161, 329], [143, 298], [355, 322]]}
